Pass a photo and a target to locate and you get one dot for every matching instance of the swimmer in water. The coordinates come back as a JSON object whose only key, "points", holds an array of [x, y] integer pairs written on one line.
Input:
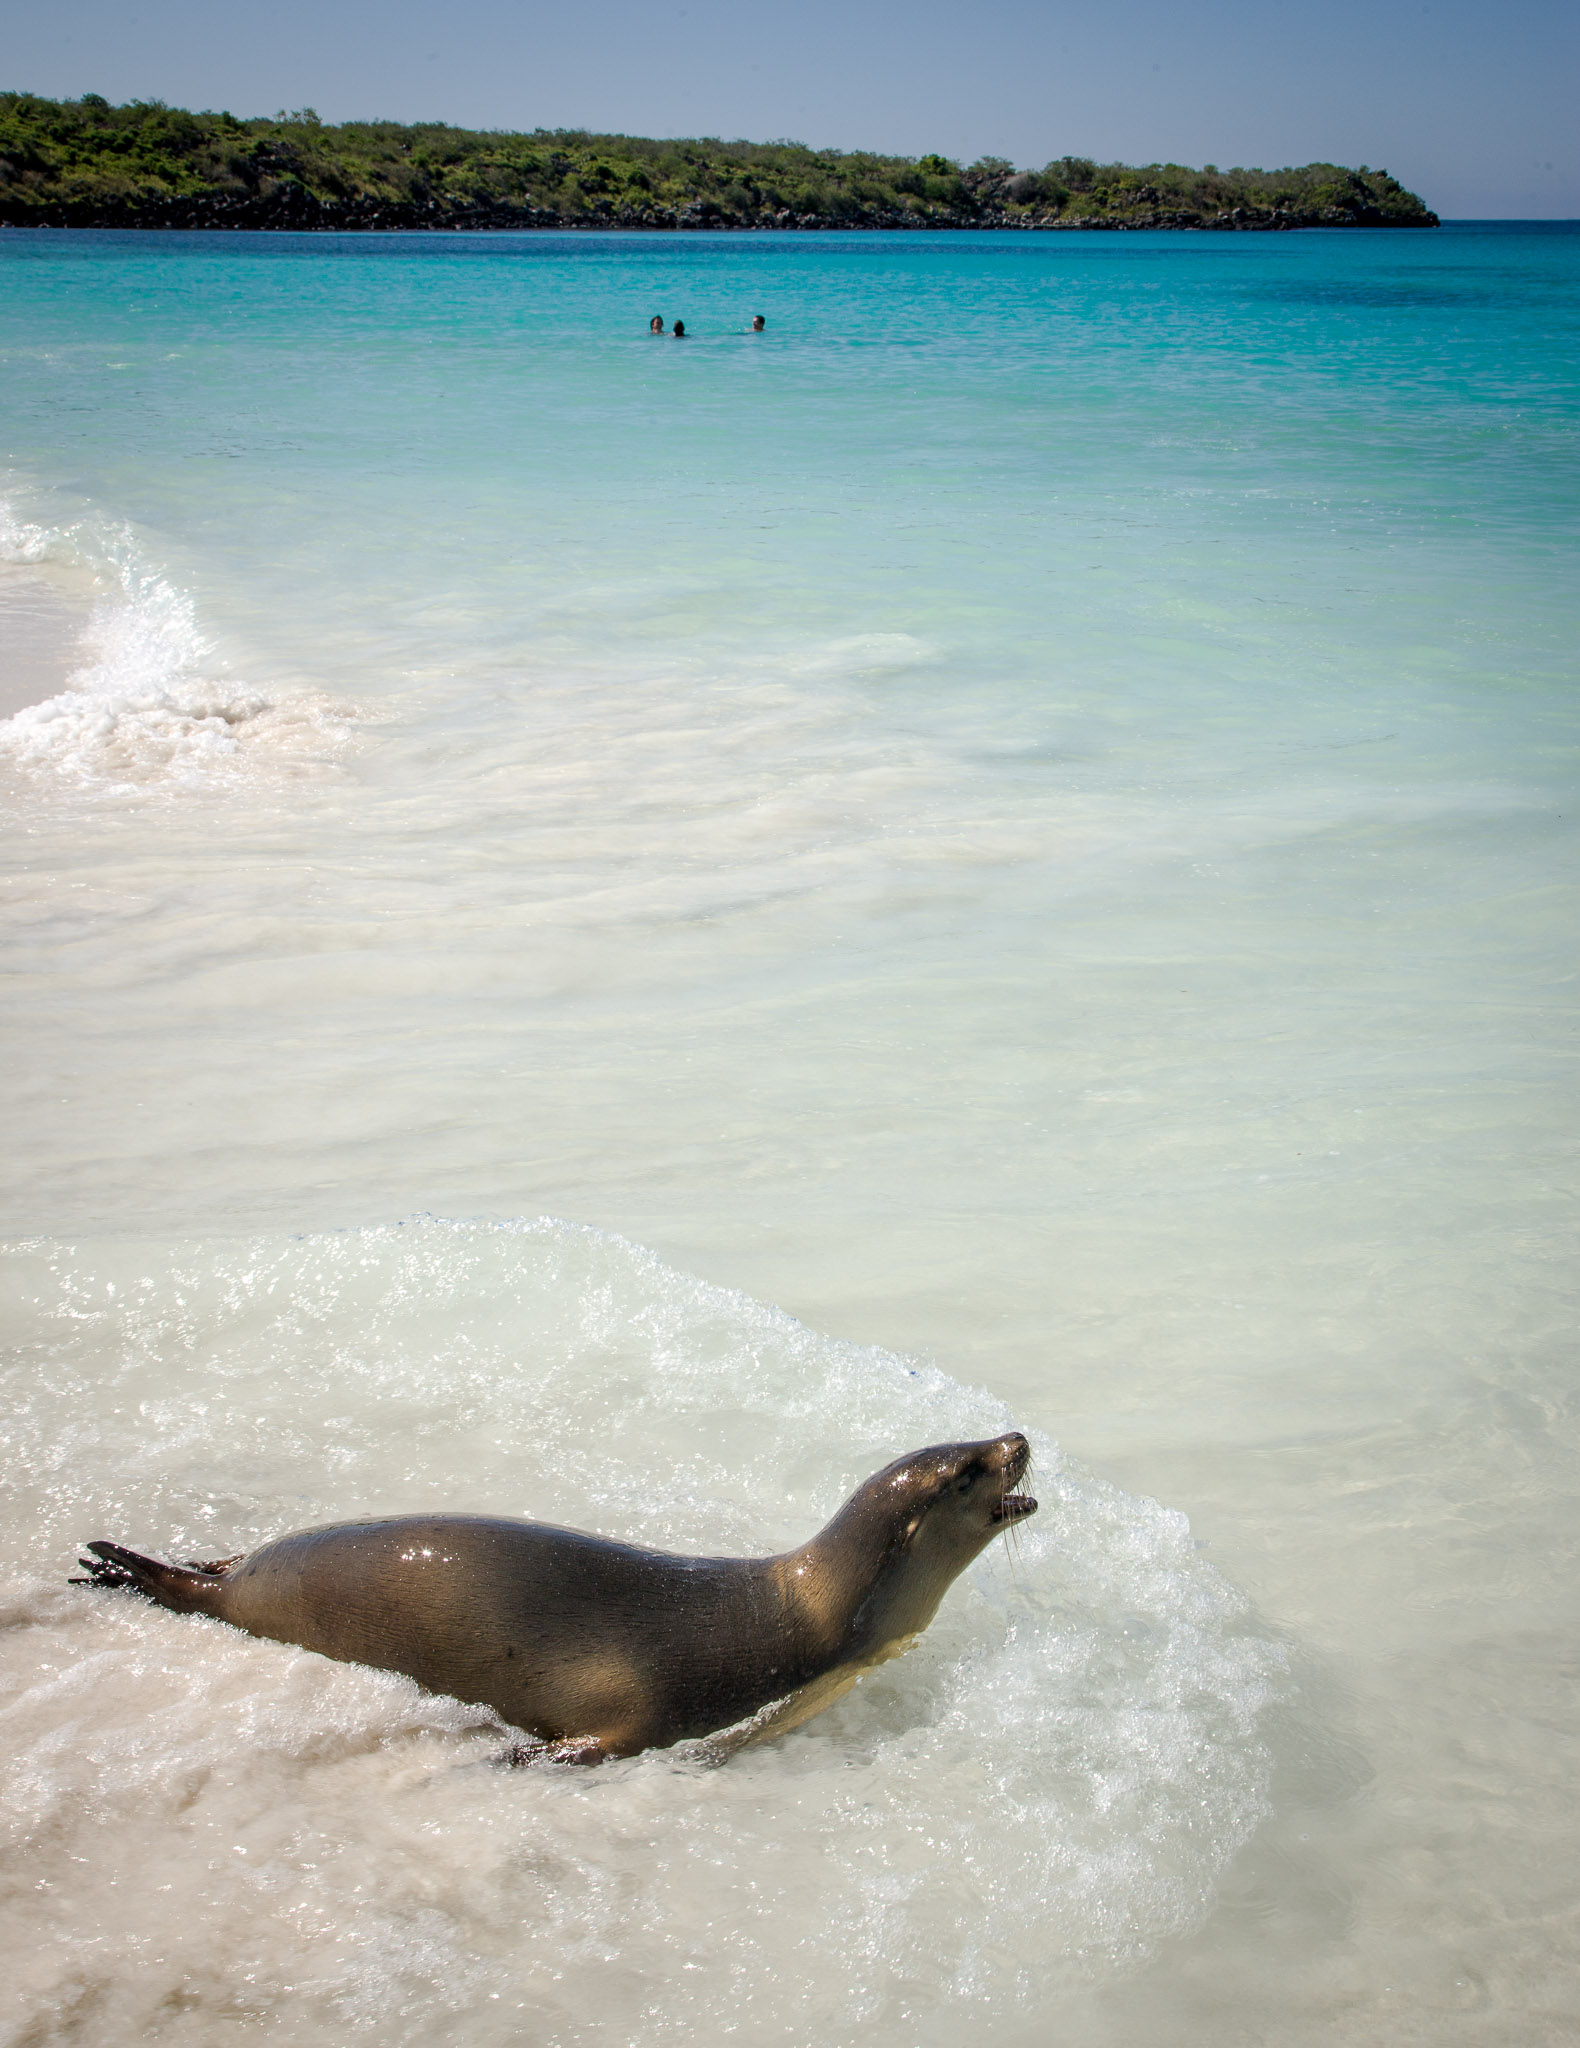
{"points": [[680, 329], [656, 324], [758, 323]]}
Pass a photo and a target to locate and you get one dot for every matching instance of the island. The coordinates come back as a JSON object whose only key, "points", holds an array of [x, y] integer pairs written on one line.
{"points": [[87, 164]]}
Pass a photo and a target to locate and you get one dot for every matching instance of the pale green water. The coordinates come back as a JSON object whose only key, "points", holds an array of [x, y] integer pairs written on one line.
{"points": [[1024, 817]]}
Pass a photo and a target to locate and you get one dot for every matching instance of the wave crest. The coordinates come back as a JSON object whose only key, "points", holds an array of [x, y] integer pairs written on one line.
{"points": [[152, 706]]}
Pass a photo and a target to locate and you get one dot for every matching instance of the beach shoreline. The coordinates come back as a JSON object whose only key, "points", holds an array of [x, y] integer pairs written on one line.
{"points": [[44, 614]]}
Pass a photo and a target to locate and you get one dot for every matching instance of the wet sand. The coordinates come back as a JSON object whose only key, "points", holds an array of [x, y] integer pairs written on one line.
{"points": [[41, 624]]}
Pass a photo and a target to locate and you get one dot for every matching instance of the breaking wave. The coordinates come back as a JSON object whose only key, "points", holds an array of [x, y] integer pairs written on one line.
{"points": [[153, 705]]}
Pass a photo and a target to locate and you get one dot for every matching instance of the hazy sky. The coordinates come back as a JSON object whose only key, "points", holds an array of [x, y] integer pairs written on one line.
{"points": [[1473, 107]]}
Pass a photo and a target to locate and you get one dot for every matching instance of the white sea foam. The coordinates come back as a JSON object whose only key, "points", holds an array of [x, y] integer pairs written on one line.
{"points": [[22, 540], [1049, 1784], [865, 654], [154, 705]]}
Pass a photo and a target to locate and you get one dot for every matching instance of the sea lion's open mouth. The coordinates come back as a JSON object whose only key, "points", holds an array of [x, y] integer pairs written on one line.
{"points": [[1015, 1454]]}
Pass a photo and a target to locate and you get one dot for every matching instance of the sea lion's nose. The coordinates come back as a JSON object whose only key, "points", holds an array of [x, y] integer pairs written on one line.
{"points": [[1013, 1451]]}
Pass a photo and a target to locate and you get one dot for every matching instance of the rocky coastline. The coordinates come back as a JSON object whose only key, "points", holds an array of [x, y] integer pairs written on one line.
{"points": [[86, 164], [295, 212]]}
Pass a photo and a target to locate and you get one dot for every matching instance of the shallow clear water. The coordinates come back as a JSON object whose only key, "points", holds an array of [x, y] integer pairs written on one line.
{"points": [[1001, 852]]}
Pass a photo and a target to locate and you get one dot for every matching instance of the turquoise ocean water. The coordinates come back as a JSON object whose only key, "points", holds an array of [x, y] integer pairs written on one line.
{"points": [[622, 928]]}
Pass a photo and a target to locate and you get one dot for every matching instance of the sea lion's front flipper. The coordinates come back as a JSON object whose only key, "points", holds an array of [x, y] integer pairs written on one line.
{"points": [[186, 1589], [571, 1749]]}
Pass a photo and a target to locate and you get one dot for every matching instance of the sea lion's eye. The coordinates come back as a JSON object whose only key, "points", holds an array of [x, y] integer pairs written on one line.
{"points": [[964, 1485]]}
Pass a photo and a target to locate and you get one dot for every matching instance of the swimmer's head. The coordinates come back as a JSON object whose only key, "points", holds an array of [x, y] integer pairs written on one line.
{"points": [[680, 327], [656, 324], [758, 323]]}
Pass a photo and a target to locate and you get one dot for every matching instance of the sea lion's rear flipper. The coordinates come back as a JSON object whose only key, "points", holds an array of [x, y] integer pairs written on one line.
{"points": [[187, 1589]]}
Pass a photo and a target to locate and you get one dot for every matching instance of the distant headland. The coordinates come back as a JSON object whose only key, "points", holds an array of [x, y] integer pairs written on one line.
{"points": [[87, 164]]}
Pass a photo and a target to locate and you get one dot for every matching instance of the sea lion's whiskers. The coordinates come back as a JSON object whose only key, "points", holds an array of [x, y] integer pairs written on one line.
{"points": [[1015, 1554], [1022, 1481]]}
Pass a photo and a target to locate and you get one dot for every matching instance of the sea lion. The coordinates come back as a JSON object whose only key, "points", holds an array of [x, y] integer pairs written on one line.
{"points": [[598, 1649]]}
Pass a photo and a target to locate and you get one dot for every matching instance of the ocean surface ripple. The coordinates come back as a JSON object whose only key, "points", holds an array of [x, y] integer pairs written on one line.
{"points": [[1000, 853]]}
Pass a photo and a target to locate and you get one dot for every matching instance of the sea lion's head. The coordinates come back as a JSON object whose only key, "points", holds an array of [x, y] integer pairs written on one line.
{"points": [[916, 1525], [949, 1502]]}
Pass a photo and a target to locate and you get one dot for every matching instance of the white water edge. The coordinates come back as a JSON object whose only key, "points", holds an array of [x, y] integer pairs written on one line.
{"points": [[107, 682], [204, 1827]]}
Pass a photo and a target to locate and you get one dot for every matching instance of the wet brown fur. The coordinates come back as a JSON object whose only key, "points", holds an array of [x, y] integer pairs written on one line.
{"points": [[597, 1648]]}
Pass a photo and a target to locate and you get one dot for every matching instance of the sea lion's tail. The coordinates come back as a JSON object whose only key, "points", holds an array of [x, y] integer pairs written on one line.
{"points": [[186, 1588]]}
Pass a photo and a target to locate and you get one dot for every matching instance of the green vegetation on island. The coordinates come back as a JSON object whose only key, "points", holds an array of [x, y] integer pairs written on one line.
{"points": [[84, 163]]}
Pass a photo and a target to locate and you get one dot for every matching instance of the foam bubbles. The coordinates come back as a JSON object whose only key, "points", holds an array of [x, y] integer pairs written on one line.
{"points": [[153, 706], [1047, 1786], [21, 540], [866, 654]]}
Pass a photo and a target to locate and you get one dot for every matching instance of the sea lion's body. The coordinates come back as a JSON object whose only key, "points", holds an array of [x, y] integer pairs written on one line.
{"points": [[606, 1648]]}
